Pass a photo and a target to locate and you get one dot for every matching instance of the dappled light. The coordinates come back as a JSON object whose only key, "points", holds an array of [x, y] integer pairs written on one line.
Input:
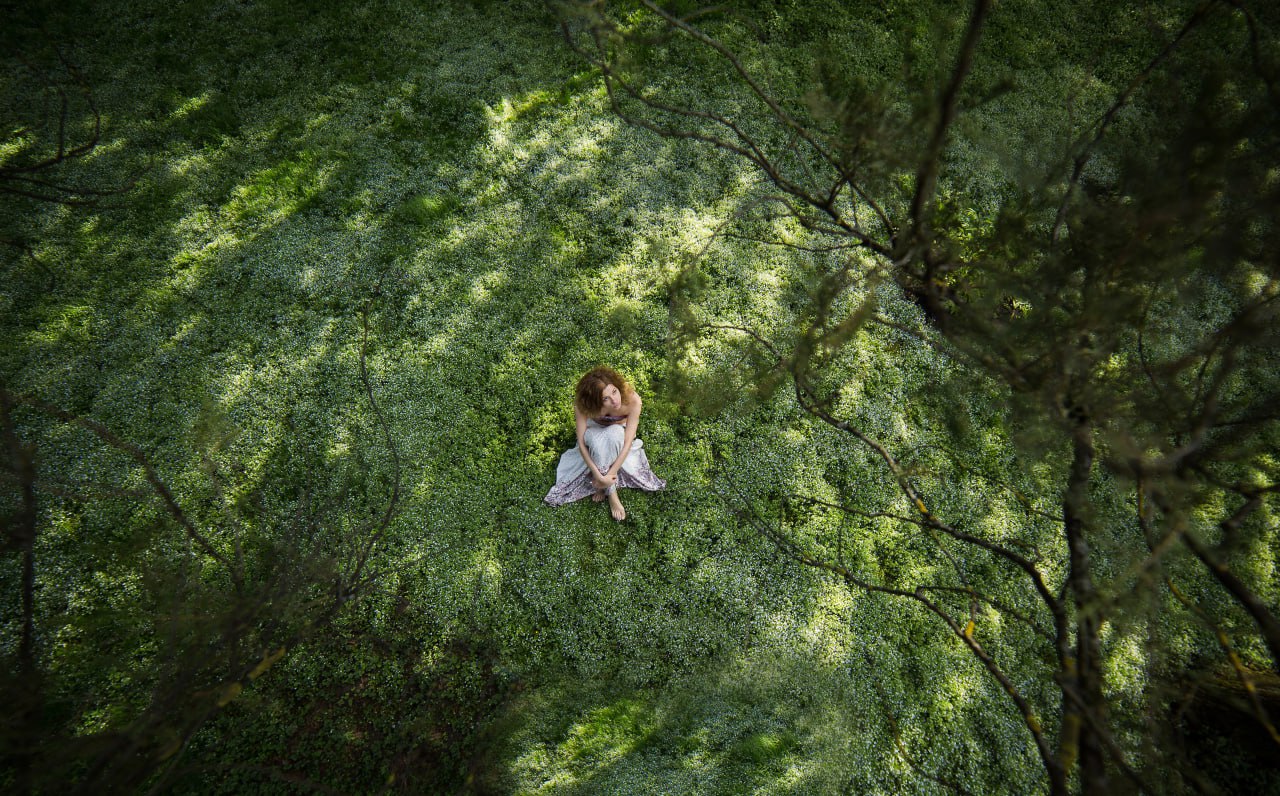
{"points": [[290, 356]]}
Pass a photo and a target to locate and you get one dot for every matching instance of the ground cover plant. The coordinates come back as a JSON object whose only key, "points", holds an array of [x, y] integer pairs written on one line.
{"points": [[293, 303]]}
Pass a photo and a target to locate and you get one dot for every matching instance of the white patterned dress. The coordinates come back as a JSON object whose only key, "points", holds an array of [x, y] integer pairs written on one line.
{"points": [[604, 443]]}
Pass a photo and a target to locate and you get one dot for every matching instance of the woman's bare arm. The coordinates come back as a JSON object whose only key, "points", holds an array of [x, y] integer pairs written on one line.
{"points": [[580, 423], [633, 420], [580, 427]]}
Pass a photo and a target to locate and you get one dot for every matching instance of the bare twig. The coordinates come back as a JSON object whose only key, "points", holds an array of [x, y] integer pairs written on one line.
{"points": [[1082, 159], [964, 633], [740, 143], [896, 732], [135, 453], [1246, 681], [948, 102], [1217, 565]]}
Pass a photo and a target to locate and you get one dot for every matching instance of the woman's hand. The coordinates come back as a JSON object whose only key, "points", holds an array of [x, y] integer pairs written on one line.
{"points": [[604, 481]]}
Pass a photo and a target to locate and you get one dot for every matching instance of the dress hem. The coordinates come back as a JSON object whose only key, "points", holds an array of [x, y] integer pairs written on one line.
{"points": [[580, 487]]}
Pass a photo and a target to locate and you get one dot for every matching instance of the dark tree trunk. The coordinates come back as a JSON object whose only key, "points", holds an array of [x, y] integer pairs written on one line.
{"points": [[1084, 706]]}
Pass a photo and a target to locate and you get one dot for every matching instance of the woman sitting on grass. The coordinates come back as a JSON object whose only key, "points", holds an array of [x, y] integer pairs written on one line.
{"points": [[607, 411]]}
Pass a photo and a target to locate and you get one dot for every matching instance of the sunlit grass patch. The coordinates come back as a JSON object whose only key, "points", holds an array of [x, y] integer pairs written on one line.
{"points": [[764, 748], [454, 174], [606, 734], [426, 208], [207, 118], [281, 190]]}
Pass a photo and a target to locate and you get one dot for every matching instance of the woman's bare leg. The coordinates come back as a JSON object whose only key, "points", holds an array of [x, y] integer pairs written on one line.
{"points": [[598, 496], [604, 446], [615, 507]]}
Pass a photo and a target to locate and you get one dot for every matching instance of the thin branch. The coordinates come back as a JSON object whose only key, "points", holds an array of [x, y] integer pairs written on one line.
{"points": [[139, 458], [964, 634], [86, 492], [1160, 391], [941, 348], [897, 733], [999, 605], [1022, 500], [42, 183], [1104, 123], [948, 102], [722, 230], [909, 490], [795, 246], [1142, 571], [1214, 560], [774, 107], [904, 482], [356, 578], [63, 154], [1246, 682], [748, 147]]}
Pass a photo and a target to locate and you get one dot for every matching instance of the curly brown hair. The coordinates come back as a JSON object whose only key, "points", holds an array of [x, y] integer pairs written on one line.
{"points": [[589, 394]]}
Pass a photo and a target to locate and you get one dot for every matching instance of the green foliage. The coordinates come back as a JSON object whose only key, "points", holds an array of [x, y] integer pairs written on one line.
{"points": [[457, 172], [422, 210]]}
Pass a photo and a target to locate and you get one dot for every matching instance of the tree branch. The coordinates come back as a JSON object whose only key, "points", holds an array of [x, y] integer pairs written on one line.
{"points": [[1086, 153], [139, 458], [948, 102], [1219, 568]]}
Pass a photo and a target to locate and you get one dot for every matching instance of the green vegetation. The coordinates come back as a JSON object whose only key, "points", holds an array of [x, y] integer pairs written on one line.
{"points": [[331, 275]]}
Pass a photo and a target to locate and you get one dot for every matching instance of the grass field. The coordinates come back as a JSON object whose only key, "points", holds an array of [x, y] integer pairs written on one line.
{"points": [[441, 186]]}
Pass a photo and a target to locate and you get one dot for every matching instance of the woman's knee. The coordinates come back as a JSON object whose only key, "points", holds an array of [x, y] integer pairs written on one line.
{"points": [[607, 442]]}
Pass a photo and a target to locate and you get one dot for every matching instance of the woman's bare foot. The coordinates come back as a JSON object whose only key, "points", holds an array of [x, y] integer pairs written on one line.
{"points": [[598, 496], [615, 507]]}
